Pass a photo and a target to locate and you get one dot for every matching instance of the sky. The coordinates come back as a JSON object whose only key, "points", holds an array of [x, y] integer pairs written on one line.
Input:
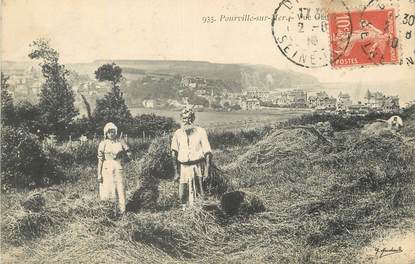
{"points": [[86, 30]]}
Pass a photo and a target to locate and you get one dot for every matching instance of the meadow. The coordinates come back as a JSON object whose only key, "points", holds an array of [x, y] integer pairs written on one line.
{"points": [[311, 196], [235, 120]]}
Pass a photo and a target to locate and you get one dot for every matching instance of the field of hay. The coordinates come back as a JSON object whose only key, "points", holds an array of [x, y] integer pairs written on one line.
{"points": [[310, 197]]}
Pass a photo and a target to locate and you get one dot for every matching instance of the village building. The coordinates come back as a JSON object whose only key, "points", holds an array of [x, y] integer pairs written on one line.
{"points": [[374, 100], [358, 109], [193, 82], [322, 101], [343, 102], [255, 92], [294, 98], [250, 104], [377, 101], [391, 104], [297, 98]]}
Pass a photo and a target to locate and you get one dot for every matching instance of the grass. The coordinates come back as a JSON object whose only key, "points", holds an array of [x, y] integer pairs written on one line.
{"points": [[323, 201]]}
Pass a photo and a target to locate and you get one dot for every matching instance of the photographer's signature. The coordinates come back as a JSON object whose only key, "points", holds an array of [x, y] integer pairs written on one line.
{"points": [[386, 252]]}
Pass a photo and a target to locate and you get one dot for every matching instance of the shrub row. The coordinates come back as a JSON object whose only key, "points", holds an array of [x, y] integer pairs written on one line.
{"points": [[146, 125], [223, 139], [338, 122]]}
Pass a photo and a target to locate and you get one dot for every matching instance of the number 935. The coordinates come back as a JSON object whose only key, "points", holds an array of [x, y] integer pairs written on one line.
{"points": [[208, 19]]}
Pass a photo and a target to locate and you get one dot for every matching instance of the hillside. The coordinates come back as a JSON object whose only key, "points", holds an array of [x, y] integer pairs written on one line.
{"points": [[243, 76]]}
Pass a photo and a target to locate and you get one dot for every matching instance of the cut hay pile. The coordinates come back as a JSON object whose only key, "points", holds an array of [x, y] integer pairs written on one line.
{"points": [[376, 128], [283, 143], [20, 225], [180, 234], [157, 164], [27, 225], [281, 154]]}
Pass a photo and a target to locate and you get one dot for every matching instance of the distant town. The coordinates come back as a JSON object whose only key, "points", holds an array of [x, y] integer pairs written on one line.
{"points": [[26, 85]]}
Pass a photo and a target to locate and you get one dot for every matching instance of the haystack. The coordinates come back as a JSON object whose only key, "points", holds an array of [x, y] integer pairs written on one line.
{"points": [[154, 165], [282, 144], [157, 162], [377, 128]]}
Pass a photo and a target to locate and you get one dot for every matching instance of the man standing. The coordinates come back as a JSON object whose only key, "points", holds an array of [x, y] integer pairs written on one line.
{"points": [[191, 157]]}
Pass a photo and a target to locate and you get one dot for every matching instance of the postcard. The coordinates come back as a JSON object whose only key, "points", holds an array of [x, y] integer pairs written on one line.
{"points": [[234, 131]]}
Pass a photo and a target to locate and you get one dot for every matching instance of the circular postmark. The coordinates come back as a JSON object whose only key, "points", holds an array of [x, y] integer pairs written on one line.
{"points": [[381, 16], [301, 31]]}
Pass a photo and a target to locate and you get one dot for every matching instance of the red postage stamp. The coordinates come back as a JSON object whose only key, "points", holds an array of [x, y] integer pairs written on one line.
{"points": [[363, 38]]}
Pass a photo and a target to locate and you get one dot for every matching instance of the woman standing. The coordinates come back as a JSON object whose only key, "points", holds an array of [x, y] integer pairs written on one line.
{"points": [[110, 171]]}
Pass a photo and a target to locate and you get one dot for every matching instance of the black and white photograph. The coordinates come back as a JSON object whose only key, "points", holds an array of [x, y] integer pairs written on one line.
{"points": [[223, 131]]}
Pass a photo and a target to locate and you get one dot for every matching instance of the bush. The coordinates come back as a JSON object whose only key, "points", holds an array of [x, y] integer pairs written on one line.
{"points": [[74, 153], [409, 113], [83, 126], [150, 126], [338, 122], [28, 116], [24, 164], [238, 138], [147, 125]]}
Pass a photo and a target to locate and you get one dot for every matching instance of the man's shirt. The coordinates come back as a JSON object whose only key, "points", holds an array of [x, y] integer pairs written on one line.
{"points": [[190, 147]]}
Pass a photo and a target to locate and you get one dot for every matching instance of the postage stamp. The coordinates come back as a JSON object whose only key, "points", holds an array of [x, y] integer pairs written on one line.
{"points": [[363, 38], [300, 31]]}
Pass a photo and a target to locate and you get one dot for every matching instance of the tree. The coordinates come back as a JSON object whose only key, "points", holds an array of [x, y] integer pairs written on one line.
{"points": [[87, 106], [7, 106], [111, 108], [56, 102], [28, 117], [111, 73]]}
